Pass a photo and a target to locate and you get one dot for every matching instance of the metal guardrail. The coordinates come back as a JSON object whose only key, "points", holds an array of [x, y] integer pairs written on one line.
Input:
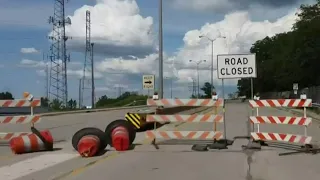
{"points": [[90, 110], [315, 104]]}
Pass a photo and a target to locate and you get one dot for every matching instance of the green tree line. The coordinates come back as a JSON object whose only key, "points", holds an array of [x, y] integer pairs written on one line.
{"points": [[287, 58], [125, 99], [206, 89]]}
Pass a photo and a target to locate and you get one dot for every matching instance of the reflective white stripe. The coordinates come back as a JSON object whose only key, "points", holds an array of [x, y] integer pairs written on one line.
{"points": [[26, 143], [31, 165], [119, 130], [40, 144]]}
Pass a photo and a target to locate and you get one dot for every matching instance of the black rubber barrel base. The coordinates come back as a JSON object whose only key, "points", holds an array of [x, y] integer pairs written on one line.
{"points": [[89, 131], [117, 123]]}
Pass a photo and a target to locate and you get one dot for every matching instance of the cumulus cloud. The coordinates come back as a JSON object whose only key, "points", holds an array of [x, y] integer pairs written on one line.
{"points": [[117, 29], [223, 6], [240, 32], [74, 68], [29, 50]]}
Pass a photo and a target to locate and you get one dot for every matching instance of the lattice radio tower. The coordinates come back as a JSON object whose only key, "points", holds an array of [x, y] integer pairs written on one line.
{"points": [[58, 88], [88, 79]]}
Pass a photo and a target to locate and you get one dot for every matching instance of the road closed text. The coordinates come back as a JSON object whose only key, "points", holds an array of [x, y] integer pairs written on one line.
{"points": [[236, 66], [236, 71]]}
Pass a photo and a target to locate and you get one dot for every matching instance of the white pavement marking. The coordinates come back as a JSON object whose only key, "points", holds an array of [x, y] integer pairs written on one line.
{"points": [[32, 165]]}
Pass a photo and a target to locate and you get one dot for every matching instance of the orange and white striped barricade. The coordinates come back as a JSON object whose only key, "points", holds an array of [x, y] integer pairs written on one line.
{"points": [[23, 141], [24, 119], [195, 118], [283, 120]]}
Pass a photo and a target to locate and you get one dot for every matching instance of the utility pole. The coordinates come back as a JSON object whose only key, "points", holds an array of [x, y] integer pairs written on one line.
{"points": [[58, 72], [80, 94], [212, 43], [160, 93], [46, 70], [198, 78], [92, 78], [193, 87]]}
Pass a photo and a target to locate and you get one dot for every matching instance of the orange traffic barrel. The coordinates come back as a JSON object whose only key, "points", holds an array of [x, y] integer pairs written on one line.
{"points": [[120, 138], [32, 142], [120, 134], [89, 141], [88, 146]]}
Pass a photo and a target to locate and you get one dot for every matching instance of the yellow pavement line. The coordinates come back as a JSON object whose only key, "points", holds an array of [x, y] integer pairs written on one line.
{"points": [[81, 169]]}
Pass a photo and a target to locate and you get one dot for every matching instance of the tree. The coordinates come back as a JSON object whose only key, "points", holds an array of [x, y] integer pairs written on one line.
{"points": [[6, 96], [56, 104], [206, 90], [44, 102], [72, 104], [288, 58], [230, 96]]}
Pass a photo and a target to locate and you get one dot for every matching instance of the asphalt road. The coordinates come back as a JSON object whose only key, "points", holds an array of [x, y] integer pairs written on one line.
{"points": [[170, 161]]}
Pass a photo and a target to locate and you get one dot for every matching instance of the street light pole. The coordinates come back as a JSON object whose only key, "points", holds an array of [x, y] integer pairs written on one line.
{"points": [[212, 43], [171, 87], [160, 93], [198, 81], [197, 63]]}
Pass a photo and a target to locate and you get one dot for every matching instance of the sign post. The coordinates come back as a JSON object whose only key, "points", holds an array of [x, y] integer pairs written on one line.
{"points": [[148, 82], [234, 66]]}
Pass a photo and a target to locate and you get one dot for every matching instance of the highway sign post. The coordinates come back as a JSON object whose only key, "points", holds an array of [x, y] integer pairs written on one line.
{"points": [[234, 66], [148, 82]]}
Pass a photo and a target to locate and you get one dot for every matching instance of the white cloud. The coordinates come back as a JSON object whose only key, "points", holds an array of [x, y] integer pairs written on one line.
{"points": [[256, 8], [29, 50], [32, 63], [240, 31], [117, 29], [74, 68]]}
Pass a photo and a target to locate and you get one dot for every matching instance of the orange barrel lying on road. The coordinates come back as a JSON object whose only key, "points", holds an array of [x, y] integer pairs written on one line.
{"points": [[38, 141], [89, 141]]}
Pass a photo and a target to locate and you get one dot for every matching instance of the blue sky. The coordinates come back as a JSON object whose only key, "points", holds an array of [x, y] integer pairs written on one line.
{"points": [[23, 24]]}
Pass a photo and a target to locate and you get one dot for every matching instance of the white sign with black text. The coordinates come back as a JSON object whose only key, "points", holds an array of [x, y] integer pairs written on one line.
{"points": [[148, 81], [231, 66]]}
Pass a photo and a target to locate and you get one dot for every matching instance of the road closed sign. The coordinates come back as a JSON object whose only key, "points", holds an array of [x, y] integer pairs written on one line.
{"points": [[231, 66]]}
